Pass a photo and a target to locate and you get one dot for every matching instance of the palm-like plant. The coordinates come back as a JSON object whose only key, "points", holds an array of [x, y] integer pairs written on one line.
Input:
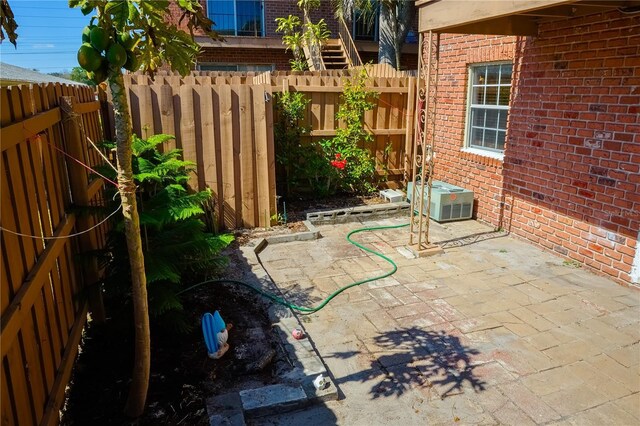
{"points": [[175, 244]]}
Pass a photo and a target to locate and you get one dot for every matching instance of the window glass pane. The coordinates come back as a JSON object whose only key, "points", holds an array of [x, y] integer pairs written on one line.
{"points": [[504, 95], [479, 75], [491, 95], [476, 137], [217, 67], [477, 115], [503, 120], [505, 74], [493, 73], [490, 139], [501, 138], [248, 67], [478, 96], [221, 13], [492, 118], [364, 28], [249, 18]]}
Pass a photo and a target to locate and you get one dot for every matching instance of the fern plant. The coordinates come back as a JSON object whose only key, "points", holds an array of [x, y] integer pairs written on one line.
{"points": [[177, 249]]}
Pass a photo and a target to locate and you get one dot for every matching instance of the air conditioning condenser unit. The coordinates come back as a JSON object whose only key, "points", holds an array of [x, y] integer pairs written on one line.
{"points": [[448, 202]]}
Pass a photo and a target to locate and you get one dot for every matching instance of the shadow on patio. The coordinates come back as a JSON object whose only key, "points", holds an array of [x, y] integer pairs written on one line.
{"points": [[413, 357]]}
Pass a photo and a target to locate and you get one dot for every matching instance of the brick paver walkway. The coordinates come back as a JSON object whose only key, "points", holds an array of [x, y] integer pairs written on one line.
{"points": [[493, 331]]}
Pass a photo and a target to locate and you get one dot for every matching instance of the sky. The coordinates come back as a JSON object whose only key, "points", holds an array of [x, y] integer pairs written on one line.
{"points": [[49, 35]]}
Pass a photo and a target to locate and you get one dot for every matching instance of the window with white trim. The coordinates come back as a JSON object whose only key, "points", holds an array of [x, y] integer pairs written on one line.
{"points": [[488, 106], [237, 17]]}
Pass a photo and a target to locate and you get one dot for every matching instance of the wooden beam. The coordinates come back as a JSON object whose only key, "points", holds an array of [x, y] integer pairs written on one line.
{"points": [[31, 288], [16, 133], [508, 25], [86, 107], [445, 15], [374, 132], [337, 89]]}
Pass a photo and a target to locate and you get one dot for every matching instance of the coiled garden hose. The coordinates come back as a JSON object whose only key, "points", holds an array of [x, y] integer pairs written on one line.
{"points": [[306, 310]]}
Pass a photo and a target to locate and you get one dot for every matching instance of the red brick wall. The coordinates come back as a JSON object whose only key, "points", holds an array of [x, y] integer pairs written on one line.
{"points": [[570, 179], [573, 162], [481, 174], [276, 57]]}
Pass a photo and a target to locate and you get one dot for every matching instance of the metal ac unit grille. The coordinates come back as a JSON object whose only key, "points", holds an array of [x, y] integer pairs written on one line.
{"points": [[449, 202]]}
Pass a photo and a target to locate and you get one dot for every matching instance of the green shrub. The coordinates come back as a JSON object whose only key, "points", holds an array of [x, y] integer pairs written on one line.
{"points": [[354, 166], [177, 248], [305, 167]]}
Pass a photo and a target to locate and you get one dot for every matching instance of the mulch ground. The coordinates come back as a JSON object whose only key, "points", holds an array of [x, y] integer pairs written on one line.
{"points": [[182, 376]]}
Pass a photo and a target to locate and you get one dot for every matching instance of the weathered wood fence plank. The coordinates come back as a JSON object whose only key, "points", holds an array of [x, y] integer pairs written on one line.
{"points": [[43, 286]]}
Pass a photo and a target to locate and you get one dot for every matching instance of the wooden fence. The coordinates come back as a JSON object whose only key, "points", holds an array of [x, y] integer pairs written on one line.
{"points": [[226, 129], [44, 287], [224, 123]]}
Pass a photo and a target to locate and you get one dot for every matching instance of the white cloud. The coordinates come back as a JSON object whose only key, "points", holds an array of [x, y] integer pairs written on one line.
{"points": [[43, 46]]}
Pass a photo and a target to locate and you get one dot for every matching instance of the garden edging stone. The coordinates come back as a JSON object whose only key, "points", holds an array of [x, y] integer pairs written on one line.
{"points": [[296, 390]]}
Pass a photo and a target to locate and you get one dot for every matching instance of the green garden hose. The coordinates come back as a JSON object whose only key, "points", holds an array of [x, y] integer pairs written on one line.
{"points": [[324, 303]]}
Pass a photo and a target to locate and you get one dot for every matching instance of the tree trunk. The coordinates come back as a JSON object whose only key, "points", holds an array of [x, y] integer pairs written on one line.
{"points": [[386, 46], [396, 18], [404, 18], [140, 383]]}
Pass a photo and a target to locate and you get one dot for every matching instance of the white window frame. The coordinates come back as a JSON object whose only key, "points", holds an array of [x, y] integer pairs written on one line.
{"points": [[235, 18], [467, 147]]}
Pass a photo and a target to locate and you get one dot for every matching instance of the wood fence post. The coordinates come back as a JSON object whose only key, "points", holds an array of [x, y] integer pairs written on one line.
{"points": [[76, 146]]}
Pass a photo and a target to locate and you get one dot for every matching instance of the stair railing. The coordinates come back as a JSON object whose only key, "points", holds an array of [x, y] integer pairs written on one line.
{"points": [[312, 51], [348, 44]]}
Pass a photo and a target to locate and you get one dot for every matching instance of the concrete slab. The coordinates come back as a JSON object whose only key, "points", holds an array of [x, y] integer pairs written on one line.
{"points": [[272, 399], [225, 410]]}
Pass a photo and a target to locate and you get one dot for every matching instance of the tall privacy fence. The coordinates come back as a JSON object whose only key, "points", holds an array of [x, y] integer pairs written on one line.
{"points": [[224, 123], [46, 289]]}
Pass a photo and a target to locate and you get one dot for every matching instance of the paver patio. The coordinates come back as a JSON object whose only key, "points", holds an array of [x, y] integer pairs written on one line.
{"points": [[493, 331]]}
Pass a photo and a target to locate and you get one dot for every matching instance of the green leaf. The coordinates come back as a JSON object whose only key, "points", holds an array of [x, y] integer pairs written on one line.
{"points": [[119, 11], [158, 139]]}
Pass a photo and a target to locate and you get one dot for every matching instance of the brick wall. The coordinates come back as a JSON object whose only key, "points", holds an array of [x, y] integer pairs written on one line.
{"points": [[570, 179], [276, 57], [481, 174]]}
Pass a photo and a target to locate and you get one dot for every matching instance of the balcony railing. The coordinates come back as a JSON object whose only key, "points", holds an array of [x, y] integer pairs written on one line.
{"points": [[348, 45]]}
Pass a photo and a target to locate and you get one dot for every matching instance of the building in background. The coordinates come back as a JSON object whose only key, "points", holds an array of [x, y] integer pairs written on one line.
{"points": [[252, 44]]}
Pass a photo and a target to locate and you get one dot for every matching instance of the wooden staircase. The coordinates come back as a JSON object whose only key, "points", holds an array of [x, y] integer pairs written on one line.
{"points": [[334, 56]]}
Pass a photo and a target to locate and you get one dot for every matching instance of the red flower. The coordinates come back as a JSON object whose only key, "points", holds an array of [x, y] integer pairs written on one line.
{"points": [[338, 156], [339, 164]]}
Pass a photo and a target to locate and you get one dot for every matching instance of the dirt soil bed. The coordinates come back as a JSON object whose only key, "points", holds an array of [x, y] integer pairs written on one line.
{"points": [[182, 376]]}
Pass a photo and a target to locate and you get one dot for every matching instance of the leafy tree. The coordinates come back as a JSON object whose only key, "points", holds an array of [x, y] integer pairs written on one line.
{"points": [[80, 75], [296, 35], [8, 24], [150, 38], [396, 17]]}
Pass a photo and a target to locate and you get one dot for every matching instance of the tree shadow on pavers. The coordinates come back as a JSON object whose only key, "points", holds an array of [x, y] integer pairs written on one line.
{"points": [[471, 239], [413, 358], [296, 294]]}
